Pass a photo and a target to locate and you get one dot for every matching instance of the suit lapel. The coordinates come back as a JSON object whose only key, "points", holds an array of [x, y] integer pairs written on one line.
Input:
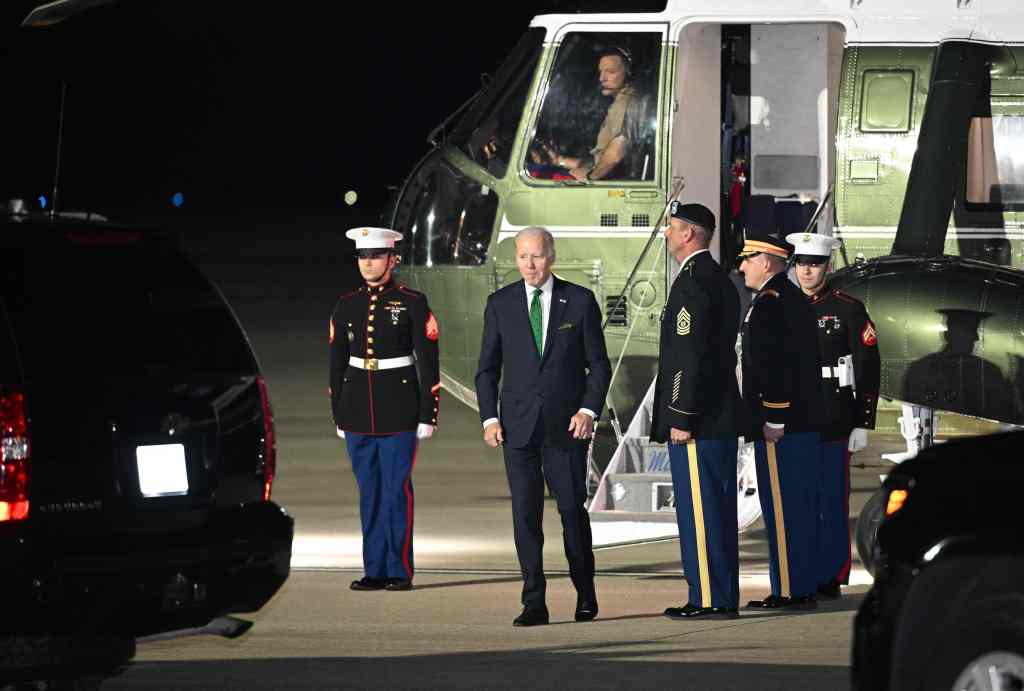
{"points": [[558, 304]]}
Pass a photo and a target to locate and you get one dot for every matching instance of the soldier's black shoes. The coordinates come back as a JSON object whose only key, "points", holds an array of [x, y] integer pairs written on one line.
{"points": [[367, 583], [830, 590], [399, 584], [532, 617], [586, 610], [778, 602], [691, 611]]}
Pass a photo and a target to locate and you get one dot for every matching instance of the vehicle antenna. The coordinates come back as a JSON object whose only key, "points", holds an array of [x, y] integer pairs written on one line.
{"points": [[60, 144]]}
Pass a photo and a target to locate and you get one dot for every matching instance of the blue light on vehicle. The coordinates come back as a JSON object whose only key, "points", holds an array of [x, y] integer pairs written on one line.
{"points": [[42, 201], [177, 200]]}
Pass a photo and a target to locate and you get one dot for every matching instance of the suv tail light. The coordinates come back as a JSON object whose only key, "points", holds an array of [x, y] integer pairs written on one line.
{"points": [[269, 441], [14, 456]]}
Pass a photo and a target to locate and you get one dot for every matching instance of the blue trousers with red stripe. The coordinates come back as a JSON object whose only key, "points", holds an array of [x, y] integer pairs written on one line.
{"points": [[704, 482], [787, 483], [383, 467], [834, 512]]}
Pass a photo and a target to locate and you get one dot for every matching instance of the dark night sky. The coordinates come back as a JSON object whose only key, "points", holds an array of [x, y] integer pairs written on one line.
{"points": [[237, 104]]}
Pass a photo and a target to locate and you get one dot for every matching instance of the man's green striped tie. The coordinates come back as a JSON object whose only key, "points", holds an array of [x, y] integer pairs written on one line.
{"points": [[537, 320]]}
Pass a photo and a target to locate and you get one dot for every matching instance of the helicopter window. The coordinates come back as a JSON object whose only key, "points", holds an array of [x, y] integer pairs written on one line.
{"points": [[888, 95], [995, 160], [487, 131], [448, 216], [598, 121]]}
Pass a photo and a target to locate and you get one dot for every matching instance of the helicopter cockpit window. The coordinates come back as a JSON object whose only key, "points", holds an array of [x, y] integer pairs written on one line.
{"points": [[488, 130], [448, 216], [598, 121]]}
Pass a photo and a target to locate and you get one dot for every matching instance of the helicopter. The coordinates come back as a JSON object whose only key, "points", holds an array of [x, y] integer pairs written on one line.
{"points": [[896, 127]]}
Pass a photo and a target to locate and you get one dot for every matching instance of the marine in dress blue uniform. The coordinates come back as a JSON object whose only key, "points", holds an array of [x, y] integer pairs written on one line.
{"points": [[851, 378], [782, 400], [384, 388], [697, 410]]}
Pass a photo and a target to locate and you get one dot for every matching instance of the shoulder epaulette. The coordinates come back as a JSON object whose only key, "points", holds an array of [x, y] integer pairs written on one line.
{"points": [[845, 297], [348, 294], [410, 291]]}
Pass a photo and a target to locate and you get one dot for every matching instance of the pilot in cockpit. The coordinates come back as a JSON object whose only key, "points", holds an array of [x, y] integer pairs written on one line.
{"points": [[620, 133]]}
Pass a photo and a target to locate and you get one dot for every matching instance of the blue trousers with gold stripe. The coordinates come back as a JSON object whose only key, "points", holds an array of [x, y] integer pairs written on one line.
{"points": [[383, 467], [704, 481], [787, 479], [834, 509]]}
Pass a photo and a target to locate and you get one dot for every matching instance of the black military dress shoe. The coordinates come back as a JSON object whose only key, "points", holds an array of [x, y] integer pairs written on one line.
{"points": [[586, 610], [367, 583], [399, 584], [531, 617], [830, 590], [691, 611], [779, 602]]}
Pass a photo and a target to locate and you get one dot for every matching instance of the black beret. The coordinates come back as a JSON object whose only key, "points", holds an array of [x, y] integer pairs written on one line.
{"points": [[693, 213]]}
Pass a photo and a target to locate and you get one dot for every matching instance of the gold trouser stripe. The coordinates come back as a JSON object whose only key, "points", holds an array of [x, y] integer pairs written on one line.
{"points": [[780, 520], [698, 522]]}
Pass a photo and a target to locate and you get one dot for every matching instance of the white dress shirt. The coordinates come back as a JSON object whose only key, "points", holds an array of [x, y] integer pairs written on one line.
{"points": [[547, 288]]}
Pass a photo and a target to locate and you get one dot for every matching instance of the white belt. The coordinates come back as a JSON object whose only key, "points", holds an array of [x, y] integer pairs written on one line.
{"points": [[381, 363], [830, 372]]}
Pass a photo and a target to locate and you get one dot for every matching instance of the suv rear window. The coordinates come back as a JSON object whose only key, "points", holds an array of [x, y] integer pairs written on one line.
{"points": [[122, 306]]}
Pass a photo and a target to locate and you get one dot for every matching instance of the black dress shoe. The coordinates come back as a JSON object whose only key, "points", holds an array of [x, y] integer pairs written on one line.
{"points": [[531, 617], [691, 611], [367, 583], [779, 602], [830, 590], [399, 584], [586, 610]]}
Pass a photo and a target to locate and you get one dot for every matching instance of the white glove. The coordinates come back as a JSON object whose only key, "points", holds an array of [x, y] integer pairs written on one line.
{"points": [[424, 431], [341, 432], [858, 440]]}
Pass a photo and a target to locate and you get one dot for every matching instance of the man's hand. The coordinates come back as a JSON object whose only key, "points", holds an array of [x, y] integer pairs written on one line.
{"points": [[341, 432], [773, 434], [424, 431], [858, 440], [580, 174], [679, 436], [581, 425], [493, 436]]}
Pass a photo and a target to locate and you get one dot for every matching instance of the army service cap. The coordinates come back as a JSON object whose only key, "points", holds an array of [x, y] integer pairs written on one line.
{"points": [[374, 238], [765, 244], [697, 214], [812, 245]]}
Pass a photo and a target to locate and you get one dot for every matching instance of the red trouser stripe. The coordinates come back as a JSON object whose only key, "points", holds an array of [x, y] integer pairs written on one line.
{"points": [[408, 511], [843, 576]]}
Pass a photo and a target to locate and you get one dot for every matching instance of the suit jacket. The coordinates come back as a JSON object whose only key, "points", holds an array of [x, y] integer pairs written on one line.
{"points": [[573, 372], [696, 388], [781, 365]]}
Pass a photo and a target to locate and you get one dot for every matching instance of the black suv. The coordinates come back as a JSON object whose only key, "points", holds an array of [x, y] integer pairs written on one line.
{"points": [[137, 450], [946, 611]]}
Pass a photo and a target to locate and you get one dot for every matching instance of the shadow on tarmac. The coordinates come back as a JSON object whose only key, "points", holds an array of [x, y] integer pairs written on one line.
{"points": [[610, 665]]}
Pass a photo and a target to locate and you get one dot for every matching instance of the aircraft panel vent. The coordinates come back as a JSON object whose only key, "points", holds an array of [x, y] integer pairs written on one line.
{"points": [[609, 220], [616, 310], [641, 220]]}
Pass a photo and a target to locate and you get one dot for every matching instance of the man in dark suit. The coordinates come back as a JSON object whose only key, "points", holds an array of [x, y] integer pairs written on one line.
{"points": [[783, 403], [543, 340], [697, 410]]}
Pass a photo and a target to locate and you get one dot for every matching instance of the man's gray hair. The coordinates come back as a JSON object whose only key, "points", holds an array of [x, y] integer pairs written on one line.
{"points": [[546, 238]]}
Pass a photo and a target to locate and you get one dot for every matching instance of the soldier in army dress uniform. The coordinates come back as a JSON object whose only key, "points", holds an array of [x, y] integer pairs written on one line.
{"points": [[782, 399], [384, 387], [851, 374], [697, 410]]}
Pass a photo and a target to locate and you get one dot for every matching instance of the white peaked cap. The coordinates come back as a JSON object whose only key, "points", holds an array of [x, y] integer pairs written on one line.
{"points": [[812, 244], [373, 238]]}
